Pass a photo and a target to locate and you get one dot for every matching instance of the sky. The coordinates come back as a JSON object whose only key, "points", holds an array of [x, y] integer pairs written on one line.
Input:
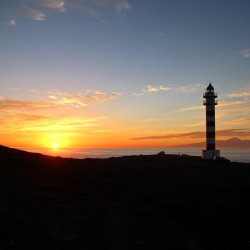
{"points": [[122, 73]]}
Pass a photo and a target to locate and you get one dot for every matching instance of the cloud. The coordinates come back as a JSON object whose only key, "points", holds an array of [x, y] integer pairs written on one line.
{"points": [[28, 124], [191, 108], [190, 88], [241, 121], [83, 99], [61, 125], [53, 4], [232, 100], [7, 103], [239, 94], [234, 132], [236, 104], [34, 14], [197, 134], [36, 9], [13, 116], [245, 53], [58, 114], [231, 103], [62, 99], [186, 89], [11, 22], [56, 100], [100, 92], [152, 89], [122, 5]]}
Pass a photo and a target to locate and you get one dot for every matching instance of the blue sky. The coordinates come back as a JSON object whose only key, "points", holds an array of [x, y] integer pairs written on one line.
{"points": [[139, 66]]}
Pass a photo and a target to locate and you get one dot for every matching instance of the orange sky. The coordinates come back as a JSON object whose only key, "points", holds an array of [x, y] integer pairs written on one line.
{"points": [[59, 120]]}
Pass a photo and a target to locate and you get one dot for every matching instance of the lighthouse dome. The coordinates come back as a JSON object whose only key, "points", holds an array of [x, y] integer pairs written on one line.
{"points": [[210, 87]]}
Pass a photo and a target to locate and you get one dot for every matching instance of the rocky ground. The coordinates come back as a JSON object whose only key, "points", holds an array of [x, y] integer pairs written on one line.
{"points": [[135, 202]]}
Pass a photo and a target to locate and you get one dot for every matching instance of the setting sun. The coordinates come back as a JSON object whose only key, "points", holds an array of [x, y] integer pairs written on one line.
{"points": [[55, 140], [55, 145]]}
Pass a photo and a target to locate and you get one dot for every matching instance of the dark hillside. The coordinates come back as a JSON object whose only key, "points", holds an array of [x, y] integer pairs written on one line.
{"points": [[134, 202]]}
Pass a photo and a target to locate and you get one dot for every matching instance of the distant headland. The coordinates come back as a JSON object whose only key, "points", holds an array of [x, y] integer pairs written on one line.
{"points": [[230, 143]]}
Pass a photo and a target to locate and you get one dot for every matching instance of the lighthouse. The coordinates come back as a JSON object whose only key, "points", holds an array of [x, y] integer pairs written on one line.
{"points": [[210, 102]]}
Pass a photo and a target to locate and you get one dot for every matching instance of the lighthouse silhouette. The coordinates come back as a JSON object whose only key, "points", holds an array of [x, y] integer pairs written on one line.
{"points": [[210, 102]]}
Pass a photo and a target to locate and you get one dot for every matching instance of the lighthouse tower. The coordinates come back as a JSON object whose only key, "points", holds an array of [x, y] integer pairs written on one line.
{"points": [[210, 102]]}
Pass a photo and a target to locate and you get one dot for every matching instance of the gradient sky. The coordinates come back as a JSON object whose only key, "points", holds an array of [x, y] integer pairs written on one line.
{"points": [[122, 73]]}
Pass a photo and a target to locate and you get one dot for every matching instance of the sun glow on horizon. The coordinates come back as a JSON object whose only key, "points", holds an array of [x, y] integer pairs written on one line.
{"points": [[56, 141], [55, 145]]}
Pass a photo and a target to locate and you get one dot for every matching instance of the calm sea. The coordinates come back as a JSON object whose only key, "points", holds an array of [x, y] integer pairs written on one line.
{"points": [[240, 155]]}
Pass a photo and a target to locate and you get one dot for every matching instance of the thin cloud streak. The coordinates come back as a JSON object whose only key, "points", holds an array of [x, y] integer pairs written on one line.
{"points": [[192, 108], [6, 103], [197, 134], [188, 89], [231, 103], [239, 94], [153, 89], [222, 104], [240, 121]]}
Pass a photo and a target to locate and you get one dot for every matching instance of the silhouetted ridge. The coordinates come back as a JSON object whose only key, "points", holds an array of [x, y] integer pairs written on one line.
{"points": [[15, 153], [133, 202]]}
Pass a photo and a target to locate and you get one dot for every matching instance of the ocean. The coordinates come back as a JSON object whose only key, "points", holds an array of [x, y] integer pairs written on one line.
{"points": [[238, 154]]}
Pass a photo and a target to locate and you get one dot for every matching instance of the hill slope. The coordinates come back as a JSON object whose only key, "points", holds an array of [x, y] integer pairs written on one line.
{"points": [[137, 202]]}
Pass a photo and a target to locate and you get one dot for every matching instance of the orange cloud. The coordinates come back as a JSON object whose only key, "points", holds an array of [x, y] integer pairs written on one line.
{"points": [[7, 103], [57, 116], [60, 99]]}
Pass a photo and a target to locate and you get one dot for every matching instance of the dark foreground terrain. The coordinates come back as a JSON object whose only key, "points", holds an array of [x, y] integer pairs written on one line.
{"points": [[138, 202]]}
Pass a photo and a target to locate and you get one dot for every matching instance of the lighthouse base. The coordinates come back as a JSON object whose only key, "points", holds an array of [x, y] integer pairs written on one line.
{"points": [[210, 154]]}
